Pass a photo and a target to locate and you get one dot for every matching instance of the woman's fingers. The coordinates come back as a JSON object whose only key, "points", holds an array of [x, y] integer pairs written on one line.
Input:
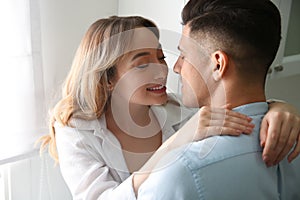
{"points": [[218, 130], [281, 135], [225, 112], [296, 150], [263, 132], [271, 141], [219, 121], [230, 119], [288, 145], [280, 131], [230, 131], [237, 126], [281, 149]]}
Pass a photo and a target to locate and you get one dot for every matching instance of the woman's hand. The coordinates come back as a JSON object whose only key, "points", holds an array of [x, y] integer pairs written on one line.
{"points": [[220, 121], [279, 134], [205, 123]]}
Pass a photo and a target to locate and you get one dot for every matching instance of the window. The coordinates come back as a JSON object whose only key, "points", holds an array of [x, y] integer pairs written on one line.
{"points": [[2, 184], [21, 80]]}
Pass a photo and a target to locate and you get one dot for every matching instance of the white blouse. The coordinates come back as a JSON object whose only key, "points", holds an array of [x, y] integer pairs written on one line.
{"points": [[91, 159]]}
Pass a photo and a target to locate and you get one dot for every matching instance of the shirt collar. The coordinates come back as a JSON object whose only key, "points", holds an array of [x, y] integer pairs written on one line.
{"points": [[86, 124], [257, 108], [170, 116]]}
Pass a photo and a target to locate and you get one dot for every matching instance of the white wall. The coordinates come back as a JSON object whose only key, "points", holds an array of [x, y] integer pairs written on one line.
{"points": [[166, 14], [284, 84], [286, 89], [63, 23]]}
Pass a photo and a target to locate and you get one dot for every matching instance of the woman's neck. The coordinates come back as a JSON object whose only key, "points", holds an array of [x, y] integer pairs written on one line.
{"points": [[130, 114], [140, 114], [133, 119], [140, 128]]}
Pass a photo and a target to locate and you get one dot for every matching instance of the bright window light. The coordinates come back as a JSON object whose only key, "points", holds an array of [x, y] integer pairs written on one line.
{"points": [[17, 80]]}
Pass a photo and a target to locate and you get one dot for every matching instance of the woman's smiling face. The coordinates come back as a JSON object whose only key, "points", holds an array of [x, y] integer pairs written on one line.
{"points": [[141, 74]]}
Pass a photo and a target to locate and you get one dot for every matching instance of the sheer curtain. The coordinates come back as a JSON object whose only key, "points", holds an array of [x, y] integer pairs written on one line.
{"points": [[22, 115]]}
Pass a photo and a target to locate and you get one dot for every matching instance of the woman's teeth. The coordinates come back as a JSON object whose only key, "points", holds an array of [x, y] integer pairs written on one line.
{"points": [[156, 88]]}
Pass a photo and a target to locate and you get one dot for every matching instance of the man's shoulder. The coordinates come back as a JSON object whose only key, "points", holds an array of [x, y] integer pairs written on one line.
{"points": [[217, 149]]}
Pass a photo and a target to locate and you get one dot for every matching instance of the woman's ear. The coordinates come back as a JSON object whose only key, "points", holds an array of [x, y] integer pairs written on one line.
{"points": [[220, 64], [110, 85], [111, 78]]}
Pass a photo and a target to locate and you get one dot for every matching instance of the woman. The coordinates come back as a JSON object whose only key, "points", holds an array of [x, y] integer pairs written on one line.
{"points": [[106, 125]]}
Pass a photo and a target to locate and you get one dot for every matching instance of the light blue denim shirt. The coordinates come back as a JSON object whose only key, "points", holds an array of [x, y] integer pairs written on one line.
{"points": [[223, 167]]}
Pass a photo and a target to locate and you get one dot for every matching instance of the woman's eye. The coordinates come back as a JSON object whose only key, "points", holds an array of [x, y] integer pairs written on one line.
{"points": [[143, 66], [182, 57]]}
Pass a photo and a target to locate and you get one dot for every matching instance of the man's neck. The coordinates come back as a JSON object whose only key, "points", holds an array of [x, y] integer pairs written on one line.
{"points": [[235, 95]]}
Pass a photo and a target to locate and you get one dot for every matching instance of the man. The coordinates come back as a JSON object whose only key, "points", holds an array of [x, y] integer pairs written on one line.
{"points": [[226, 49]]}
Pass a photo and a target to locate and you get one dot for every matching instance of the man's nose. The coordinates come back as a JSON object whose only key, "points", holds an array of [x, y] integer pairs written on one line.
{"points": [[177, 66]]}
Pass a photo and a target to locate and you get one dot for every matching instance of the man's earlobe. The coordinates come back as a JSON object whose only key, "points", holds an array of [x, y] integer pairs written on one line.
{"points": [[220, 60], [216, 73]]}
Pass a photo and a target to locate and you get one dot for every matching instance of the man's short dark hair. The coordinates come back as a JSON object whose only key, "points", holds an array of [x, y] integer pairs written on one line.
{"points": [[249, 31]]}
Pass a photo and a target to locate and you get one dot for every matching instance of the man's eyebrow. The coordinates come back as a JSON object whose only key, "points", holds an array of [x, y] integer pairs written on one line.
{"points": [[140, 55]]}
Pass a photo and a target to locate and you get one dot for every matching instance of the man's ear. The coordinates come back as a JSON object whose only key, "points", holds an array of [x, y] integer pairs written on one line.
{"points": [[220, 64]]}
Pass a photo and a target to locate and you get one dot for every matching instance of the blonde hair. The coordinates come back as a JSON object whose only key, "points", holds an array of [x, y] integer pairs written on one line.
{"points": [[85, 92]]}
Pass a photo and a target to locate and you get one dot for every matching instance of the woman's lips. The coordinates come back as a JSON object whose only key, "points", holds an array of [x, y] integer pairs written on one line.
{"points": [[157, 89]]}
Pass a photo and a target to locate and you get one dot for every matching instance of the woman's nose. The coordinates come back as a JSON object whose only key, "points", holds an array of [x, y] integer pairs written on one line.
{"points": [[162, 72]]}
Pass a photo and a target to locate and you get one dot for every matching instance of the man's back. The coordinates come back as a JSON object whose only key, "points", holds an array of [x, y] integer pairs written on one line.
{"points": [[224, 167]]}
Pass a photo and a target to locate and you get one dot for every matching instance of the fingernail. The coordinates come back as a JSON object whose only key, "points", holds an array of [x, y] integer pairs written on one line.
{"points": [[239, 131], [252, 125], [249, 129], [265, 158]]}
